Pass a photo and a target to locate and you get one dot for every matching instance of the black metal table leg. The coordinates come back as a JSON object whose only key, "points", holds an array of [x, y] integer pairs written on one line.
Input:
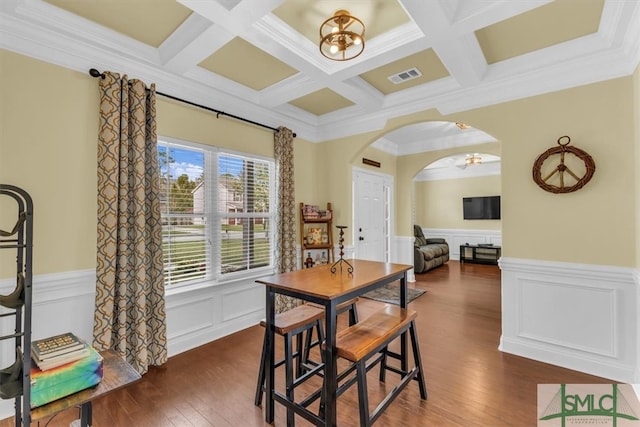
{"points": [[270, 374], [331, 367], [86, 415], [403, 338]]}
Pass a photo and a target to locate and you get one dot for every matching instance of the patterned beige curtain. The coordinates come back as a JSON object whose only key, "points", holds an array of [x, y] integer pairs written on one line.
{"points": [[130, 312], [285, 212]]}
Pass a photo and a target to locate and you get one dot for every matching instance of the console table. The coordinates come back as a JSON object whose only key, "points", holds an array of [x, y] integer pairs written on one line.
{"points": [[481, 254]]}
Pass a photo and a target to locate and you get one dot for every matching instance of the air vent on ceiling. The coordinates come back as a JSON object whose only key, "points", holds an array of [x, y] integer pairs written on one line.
{"points": [[406, 75]]}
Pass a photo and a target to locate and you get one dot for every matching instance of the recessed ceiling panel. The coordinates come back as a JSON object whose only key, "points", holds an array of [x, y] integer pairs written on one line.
{"points": [[246, 64], [306, 16], [149, 22], [322, 102], [542, 27], [427, 62]]}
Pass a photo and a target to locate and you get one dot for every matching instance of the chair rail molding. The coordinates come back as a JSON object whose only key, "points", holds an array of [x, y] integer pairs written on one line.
{"points": [[456, 237], [195, 316], [579, 316]]}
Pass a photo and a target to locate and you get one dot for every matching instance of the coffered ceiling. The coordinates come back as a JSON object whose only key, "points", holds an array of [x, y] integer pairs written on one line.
{"points": [[260, 58]]}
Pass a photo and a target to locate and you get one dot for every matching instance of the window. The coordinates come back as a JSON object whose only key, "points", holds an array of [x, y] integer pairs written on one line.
{"points": [[216, 209]]}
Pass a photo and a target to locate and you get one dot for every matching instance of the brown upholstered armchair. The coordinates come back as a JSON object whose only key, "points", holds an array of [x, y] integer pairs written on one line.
{"points": [[428, 253]]}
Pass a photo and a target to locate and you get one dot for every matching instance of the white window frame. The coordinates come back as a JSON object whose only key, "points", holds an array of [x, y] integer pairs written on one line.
{"points": [[214, 275]]}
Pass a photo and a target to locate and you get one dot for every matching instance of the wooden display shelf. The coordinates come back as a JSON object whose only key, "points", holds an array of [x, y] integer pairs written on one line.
{"points": [[315, 247], [311, 220], [325, 223]]}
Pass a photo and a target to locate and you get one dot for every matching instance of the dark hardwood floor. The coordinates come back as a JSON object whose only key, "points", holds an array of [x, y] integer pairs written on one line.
{"points": [[469, 382]]}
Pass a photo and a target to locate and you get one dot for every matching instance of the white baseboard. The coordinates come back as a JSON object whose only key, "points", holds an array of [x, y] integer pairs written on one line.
{"points": [[579, 316], [569, 359]]}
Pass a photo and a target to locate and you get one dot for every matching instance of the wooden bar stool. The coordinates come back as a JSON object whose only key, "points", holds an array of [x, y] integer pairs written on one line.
{"points": [[295, 323], [290, 324], [371, 337]]}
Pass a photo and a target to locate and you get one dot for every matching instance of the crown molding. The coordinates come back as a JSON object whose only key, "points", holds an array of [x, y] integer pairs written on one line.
{"points": [[42, 31]]}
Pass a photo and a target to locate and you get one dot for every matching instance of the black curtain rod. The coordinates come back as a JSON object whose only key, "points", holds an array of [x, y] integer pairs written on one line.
{"points": [[95, 73]]}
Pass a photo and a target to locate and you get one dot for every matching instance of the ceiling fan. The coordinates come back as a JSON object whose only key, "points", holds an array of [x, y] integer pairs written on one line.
{"points": [[469, 159]]}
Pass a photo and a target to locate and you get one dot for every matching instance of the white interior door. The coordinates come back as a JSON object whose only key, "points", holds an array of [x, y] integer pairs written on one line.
{"points": [[372, 211]]}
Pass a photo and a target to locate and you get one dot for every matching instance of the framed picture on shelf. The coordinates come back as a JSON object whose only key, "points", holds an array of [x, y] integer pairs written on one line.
{"points": [[314, 236]]}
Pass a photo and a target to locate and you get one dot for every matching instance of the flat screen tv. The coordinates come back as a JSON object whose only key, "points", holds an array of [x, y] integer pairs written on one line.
{"points": [[481, 207]]}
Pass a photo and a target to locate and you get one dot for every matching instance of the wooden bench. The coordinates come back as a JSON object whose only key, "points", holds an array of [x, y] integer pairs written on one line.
{"points": [[371, 337]]}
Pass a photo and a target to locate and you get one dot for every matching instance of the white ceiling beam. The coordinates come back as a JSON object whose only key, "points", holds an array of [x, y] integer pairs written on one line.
{"points": [[461, 55], [288, 89], [358, 91], [463, 58], [473, 15], [195, 40], [235, 21], [281, 41]]}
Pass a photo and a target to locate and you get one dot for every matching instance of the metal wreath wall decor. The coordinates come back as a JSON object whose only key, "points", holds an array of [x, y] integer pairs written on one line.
{"points": [[555, 181]]}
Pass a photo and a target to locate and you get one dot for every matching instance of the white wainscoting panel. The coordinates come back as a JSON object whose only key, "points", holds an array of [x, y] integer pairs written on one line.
{"points": [[65, 302], [579, 316], [402, 253], [61, 302], [457, 237], [198, 316]]}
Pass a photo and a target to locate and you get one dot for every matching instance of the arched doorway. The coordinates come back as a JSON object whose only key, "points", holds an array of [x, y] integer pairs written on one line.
{"points": [[414, 147], [440, 191]]}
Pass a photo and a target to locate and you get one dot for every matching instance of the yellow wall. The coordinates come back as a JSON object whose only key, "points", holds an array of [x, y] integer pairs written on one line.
{"points": [[48, 143], [439, 203], [409, 166], [570, 227], [387, 161], [48, 148], [333, 176]]}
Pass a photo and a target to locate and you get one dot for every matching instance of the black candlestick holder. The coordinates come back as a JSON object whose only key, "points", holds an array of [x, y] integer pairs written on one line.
{"points": [[341, 260]]}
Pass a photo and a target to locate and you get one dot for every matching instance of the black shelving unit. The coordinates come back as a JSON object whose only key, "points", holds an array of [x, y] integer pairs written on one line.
{"points": [[480, 254], [16, 381]]}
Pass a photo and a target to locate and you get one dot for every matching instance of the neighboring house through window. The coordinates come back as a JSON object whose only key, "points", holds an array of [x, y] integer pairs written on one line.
{"points": [[214, 235]]}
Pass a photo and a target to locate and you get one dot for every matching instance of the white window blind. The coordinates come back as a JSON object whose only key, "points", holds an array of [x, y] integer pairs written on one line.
{"points": [[244, 212], [216, 213]]}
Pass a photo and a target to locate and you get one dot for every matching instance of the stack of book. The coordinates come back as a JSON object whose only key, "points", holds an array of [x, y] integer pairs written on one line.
{"points": [[49, 353], [310, 212]]}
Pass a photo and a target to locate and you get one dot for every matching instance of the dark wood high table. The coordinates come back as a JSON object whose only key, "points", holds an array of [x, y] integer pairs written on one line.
{"points": [[116, 373], [320, 286]]}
